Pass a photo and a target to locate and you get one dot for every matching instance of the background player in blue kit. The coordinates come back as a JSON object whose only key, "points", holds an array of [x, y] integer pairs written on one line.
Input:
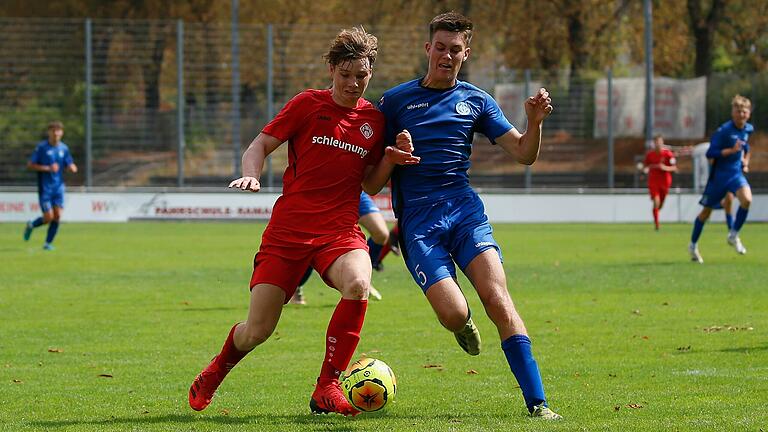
{"points": [[442, 220], [50, 158], [729, 152], [372, 220]]}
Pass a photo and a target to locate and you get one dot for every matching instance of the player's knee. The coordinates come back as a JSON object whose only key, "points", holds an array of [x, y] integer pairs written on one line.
{"points": [[356, 288], [380, 236], [746, 202], [497, 298]]}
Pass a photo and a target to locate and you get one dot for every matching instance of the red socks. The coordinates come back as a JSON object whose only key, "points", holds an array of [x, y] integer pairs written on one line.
{"points": [[340, 342], [342, 337], [656, 217], [230, 355]]}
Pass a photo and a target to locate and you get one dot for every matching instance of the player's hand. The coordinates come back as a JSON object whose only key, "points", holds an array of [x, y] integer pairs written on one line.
{"points": [[246, 183], [398, 157], [404, 141], [402, 152], [54, 167], [738, 146], [745, 169], [538, 106]]}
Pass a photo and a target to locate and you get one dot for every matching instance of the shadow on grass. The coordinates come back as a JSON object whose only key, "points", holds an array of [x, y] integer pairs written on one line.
{"points": [[245, 308], [684, 261], [744, 350], [205, 309], [328, 422], [739, 350]]}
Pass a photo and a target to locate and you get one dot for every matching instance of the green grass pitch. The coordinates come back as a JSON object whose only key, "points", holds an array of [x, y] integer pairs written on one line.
{"points": [[108, 331]]}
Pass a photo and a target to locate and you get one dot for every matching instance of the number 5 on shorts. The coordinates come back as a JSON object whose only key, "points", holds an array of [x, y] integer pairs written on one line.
{"points": [[420, 274]]}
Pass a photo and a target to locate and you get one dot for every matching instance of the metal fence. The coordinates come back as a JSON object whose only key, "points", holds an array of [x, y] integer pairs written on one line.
{"points": [[164, 103]]}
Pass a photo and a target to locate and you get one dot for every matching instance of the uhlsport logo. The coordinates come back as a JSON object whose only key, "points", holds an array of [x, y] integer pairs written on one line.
{"points": [[366, 130], [417, 105], [333, 142], [462, 108]]}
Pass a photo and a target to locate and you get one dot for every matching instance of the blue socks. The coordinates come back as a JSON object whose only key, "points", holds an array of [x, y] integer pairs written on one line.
{"points": [[698, 226], [374, 250], [729, 220], [517, 349], [37, 222], [53, 227], [741, 217]]}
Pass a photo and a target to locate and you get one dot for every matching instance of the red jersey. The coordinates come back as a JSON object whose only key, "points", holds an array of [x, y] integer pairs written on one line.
{"points": [[329, 147], [657, 175]]}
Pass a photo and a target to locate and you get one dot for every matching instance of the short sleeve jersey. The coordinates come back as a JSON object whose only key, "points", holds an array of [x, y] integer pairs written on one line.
{"points": [[442, 124], [46, 154], [726, 136], [329, 147], [657, 175]]}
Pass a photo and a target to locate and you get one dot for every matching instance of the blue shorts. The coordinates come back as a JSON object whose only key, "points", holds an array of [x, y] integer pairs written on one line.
{"points": [[715, 191], [367, 206], [435, 236], [50, 199]]}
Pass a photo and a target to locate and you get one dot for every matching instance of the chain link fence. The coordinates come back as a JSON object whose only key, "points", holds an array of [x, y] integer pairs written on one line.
{"points": [[161, 103]]}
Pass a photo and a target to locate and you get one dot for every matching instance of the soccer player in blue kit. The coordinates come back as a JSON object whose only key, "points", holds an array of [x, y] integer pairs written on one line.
{"points": [[372, 220], [50, 158], [442, 220], [729, 152]]}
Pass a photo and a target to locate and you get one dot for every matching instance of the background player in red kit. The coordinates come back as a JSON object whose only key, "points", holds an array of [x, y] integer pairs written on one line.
{"points": [[659, 164], [335, 145]]}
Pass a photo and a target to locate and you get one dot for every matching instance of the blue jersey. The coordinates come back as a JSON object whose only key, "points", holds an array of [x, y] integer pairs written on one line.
{"points": [[442, 123], [726, 167], [46, 154]]}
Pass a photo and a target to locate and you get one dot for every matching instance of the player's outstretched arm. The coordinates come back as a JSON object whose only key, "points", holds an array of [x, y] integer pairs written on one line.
{"points": [[54, 167], [525, 147], [399, 154], [253, 162]]}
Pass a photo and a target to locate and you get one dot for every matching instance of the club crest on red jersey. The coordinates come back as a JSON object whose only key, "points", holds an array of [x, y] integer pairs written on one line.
{"points": [[366, 130]]}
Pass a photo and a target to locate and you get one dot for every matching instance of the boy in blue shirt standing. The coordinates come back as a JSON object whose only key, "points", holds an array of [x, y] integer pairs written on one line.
{"points": [[729, 152], [50, 158], [442, 220]]}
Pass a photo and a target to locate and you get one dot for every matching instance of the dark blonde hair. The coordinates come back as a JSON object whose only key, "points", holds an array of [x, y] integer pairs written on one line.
{"points": [[452, 22], [352, 44], [740, 101], [56, 125]]}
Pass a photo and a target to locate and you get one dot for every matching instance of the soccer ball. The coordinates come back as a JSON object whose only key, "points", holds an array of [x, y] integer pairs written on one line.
{"points": [[369, 384]]}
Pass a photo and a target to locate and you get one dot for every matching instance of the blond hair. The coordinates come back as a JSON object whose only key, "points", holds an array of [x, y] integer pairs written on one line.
{"points": [[740, 101]]}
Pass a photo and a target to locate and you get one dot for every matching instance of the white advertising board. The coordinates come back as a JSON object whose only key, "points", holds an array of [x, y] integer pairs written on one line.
{"points": [[525, 208]]}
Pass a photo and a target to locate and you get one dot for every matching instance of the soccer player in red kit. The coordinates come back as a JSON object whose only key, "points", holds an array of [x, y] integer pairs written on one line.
{"points": [[335, 145], [659, 164]]}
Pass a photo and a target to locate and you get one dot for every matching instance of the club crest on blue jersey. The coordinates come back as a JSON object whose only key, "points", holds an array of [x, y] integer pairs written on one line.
{"points": [[462, 108], [366, 130]]}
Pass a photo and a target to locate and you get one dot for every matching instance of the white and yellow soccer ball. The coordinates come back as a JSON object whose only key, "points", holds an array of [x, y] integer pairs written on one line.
{"points": [[369, 384]]}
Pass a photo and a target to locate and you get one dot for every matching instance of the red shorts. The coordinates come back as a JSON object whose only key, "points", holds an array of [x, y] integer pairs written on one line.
{"points": [[658, 190], [285, 255]]}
